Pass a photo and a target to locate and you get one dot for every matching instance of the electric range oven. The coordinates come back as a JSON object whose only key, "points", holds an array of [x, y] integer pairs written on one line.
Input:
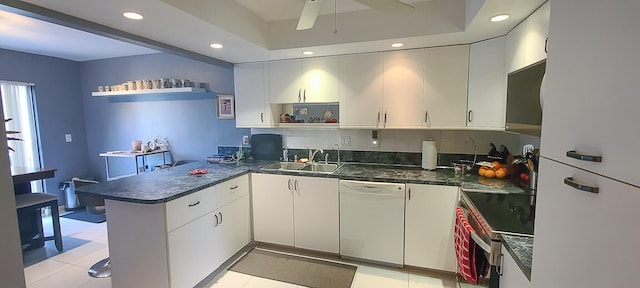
{"points": [[492, 214]]}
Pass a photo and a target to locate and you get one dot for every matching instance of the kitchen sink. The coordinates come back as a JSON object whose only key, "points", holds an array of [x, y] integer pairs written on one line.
{"points": [[321, 167], [304, 167], [285, 166]]}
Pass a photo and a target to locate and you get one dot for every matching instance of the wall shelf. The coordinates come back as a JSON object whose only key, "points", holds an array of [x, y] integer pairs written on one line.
{"points": [[151, 91]]}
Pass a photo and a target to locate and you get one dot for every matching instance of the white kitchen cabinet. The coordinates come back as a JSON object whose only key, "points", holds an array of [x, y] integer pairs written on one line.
{"points": [[361, 105], [296, 211], [584, 233], [511, 274], [178, 243], [403, 88], [272, 197], [192, 252], [251, 84], [487, 97], [429, 223], [590, 103], [526, 43], [536, 36], [234, 227], [446, 78], [309, 80], [591, 95], [316, 213], [515, 48]]}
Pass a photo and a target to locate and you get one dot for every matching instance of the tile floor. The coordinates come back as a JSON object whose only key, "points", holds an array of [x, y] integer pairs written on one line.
{"points": [[86, 243]]}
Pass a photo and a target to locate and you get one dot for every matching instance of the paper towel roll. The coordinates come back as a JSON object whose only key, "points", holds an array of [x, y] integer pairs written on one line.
{"points": [[429, 155]]}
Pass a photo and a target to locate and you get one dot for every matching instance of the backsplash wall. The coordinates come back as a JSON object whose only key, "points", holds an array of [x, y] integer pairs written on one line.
{"points": [[448, 141]]}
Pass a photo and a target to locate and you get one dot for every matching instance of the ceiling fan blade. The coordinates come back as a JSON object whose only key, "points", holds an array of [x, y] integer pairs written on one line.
{"points": [[393, 7], [309, 14]]}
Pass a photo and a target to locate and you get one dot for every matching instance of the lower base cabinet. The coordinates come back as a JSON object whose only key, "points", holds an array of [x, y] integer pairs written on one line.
{"points": [[296, 211], [429, 223], [511, 275], [148, 248], [191, 257]]}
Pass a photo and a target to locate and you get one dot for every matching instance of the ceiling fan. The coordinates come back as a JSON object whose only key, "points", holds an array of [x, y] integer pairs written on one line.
{"points": [[312, 9]]}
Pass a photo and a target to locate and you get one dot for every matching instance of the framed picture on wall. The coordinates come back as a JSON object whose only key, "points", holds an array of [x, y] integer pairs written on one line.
{"points": [[226, 106]]}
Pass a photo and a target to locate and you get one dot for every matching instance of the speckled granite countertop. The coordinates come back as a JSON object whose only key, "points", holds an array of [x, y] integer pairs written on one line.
{"points": [[168, 184], [521, 249]]}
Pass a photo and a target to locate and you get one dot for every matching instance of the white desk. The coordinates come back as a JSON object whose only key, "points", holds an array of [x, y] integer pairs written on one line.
{"points": [[135, 155]]}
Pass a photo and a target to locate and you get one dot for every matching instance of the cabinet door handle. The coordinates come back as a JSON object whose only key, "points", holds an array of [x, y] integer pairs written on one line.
{"points": [[299, 91], [289, 184], [220, 213], [385, 120], [304, 95], [409, 194], [378, 121], [216, 215], [234, 187], [194, 204], [501, 261], [295, 186], [569, 181], [583, 157], [262, 117], [470, 115], [426, 116]]}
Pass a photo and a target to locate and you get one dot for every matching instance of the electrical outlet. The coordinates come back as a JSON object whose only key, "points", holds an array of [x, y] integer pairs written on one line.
{"points": [[67, 138], [345, 141], [245, 140]]}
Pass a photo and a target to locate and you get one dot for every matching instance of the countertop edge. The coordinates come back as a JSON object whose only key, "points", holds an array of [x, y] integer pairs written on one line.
{"points": [[525, 270]]}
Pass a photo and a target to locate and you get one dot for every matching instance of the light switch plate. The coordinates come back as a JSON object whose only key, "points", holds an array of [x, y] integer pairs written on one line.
{"points": [[67, 138], [245, 140]]}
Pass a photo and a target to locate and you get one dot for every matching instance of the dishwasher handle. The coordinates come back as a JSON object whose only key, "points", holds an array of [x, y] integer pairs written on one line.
{"points": [[380, 194]]}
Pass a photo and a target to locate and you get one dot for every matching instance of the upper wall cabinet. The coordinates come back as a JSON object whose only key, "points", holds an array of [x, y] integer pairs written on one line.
{"points": [[361, 104], [526, 43], [445, 83], [309, 80], [487, 94], [252, 104], [403, 88]]}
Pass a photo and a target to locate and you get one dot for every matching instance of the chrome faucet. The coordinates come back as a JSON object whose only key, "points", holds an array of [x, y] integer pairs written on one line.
{"points": [[338, 148], [312, 153], [475, 150]]}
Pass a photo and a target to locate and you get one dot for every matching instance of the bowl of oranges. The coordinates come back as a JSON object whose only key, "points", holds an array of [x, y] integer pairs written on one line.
{"points": [[493, 169]]}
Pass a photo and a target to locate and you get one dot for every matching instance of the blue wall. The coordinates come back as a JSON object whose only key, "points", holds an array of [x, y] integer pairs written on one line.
{"points": [[188, 120], [60, 110]]}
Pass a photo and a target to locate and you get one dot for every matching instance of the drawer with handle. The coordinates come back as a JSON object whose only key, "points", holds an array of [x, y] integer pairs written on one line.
{"points": [[189, 207], [228, 191]]}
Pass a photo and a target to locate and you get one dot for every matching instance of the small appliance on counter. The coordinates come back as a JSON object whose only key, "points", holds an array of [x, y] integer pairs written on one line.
{"points": [[266, 146], [429, 155]]}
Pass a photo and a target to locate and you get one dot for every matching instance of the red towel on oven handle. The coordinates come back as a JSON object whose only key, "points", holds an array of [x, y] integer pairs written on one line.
{"points": [[472, 263]]}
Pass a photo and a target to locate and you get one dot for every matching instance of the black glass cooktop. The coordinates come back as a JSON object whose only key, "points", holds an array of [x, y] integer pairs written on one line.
{"points": [[505, 213]]}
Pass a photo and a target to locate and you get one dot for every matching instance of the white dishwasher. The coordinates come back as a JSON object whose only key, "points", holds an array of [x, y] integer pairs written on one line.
{"points": [[372, 221]]}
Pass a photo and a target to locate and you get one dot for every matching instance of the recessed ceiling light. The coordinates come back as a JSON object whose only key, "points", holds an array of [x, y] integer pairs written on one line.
{"points": [[216, 45], [132, 15], [397, 45], [500, 17], [307, 52]]}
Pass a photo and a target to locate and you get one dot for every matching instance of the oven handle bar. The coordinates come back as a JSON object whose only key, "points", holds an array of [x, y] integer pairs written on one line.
{"points": [[486, 247]]}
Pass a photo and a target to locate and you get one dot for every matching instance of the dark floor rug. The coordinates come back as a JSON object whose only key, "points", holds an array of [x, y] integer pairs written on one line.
{"points": [[295, 270], [83, 215]]}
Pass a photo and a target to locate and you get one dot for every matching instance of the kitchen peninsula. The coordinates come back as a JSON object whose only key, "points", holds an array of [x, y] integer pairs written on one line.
{"points": [[169, 229]]}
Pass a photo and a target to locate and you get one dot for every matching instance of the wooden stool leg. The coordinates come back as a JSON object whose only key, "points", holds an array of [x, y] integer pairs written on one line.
{"points": [[55, 217]]}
